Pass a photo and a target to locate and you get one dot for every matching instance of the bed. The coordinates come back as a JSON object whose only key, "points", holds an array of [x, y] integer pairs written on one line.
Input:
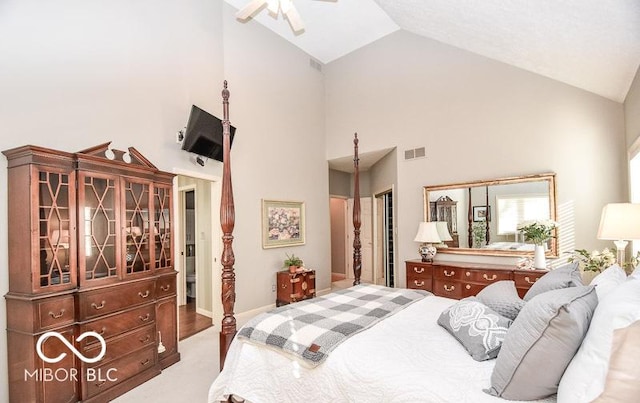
{"points": [[405, 357]]}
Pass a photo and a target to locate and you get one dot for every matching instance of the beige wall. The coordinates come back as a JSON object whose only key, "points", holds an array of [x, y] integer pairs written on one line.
{"points": [[632, 111], [338, 208], [479, 119], [339, 183]]}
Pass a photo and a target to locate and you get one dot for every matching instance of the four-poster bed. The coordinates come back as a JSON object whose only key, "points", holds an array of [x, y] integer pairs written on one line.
{"points": [[402, 354]]}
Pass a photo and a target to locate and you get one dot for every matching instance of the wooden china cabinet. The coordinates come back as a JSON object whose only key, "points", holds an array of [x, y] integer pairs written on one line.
{"points": [[90, 249]]}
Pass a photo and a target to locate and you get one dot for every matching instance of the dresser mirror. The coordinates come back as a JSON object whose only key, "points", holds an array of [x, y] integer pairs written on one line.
{"points": [[482, 216]]}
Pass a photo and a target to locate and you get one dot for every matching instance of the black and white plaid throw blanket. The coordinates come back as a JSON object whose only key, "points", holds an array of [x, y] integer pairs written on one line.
{"points": [[311, 329]]}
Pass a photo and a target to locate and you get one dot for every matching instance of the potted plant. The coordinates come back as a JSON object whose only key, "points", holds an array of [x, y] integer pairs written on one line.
{"points": [[293, 262]]}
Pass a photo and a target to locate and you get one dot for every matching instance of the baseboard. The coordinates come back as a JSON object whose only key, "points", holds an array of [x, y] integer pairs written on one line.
{"points": [[204, 312]]}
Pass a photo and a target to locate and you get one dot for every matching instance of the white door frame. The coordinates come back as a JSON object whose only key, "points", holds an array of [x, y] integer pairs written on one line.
{"points": [[180, 262], [216, 250], [375, 232]]}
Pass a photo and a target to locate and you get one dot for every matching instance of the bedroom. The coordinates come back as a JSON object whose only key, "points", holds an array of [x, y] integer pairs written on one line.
{"points": [[77, 74]]}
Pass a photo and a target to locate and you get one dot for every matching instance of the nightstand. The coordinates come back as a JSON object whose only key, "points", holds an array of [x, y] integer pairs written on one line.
{"points": [[294, 287]]}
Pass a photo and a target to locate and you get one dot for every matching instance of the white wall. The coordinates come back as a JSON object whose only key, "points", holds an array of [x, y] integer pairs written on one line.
{"points": [[632, 111], [278, 103], [479, 119]]}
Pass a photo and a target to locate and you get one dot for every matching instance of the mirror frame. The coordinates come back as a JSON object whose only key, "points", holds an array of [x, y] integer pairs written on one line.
{"points": [[550, 177]]}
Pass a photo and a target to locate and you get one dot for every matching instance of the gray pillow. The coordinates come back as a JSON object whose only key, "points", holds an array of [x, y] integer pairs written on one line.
{"points": [[541, 342], [478, 328], [503, 298], [562, 277]]}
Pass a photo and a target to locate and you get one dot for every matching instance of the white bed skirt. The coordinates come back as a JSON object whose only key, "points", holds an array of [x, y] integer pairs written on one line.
{"points": [[405, 358]]}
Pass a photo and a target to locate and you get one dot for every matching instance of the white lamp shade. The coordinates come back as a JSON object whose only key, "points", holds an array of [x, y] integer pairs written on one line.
{"points": [[443, 231], [620, 221], [428, 233]]}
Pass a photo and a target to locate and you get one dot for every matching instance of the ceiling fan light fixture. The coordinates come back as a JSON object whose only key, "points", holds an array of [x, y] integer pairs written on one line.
{"points": [[294, 20], [250, 9]]}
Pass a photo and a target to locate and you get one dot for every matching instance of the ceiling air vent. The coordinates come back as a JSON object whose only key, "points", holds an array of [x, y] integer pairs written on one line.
{"points": [[315, 64], [415, 153]]}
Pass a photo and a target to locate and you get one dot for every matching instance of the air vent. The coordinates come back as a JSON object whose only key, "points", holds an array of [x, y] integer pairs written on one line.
{"points": [[415, 153], [315, 64]]}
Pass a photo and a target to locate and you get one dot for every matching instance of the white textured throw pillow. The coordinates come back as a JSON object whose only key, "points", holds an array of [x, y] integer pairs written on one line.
{"points": [[585, 376], [609, 279]]}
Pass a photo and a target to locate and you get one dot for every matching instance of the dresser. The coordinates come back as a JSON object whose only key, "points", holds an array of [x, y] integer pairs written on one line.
{"points": [[90, 250], [461, 280], [294, 287]]}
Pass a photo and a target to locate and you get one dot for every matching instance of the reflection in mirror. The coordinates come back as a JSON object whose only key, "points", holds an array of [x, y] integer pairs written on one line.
{"points": [[482, 216]]}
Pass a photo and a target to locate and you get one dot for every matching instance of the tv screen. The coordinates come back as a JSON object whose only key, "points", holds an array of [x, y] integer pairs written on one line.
{"points": [[203, 135]]}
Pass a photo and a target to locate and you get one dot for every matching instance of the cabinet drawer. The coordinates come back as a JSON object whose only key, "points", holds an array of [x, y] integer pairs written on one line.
{"points": [[55, 312], [486, 276], [103, 301], [471, 289], [527, 279], [448, 273], [122, 345], [449, 289], [120, 323], [416, 270], [419, 283], [165, 286], [120, 369]]}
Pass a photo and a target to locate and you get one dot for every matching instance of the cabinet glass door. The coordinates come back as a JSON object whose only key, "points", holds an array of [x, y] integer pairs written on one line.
{"points": [[137, 226], [98, 224], [56, 229], [162, 226]]}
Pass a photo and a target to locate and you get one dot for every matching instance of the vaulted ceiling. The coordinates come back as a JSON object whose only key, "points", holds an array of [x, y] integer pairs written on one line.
{"points": [[590, 44]]}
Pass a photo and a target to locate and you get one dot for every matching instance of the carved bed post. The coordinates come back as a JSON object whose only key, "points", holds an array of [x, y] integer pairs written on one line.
{"points": [[357, 255], [227, 221], [487, 216]]}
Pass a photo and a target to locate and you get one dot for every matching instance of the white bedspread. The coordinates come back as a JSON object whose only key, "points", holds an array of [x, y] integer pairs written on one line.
{"points": [[405, 358]]}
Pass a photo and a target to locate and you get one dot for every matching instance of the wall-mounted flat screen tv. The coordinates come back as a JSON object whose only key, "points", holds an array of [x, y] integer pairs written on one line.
{"points": [[203, 135]]}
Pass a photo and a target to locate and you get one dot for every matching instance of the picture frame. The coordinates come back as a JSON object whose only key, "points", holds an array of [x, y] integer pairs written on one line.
{"points": [[481, 213], [283, 223]]}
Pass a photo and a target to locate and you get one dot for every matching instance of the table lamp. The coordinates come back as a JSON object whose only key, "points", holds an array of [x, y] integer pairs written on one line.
{"points": [[427, 235], [620, 222], [443, 234]]}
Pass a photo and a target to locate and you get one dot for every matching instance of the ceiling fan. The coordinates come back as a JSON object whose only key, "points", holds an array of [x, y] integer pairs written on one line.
{"points": [[274, 6]]}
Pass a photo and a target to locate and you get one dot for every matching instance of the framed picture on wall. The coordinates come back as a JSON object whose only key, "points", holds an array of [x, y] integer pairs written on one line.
{"points": [[481, 213], [282, 223]]}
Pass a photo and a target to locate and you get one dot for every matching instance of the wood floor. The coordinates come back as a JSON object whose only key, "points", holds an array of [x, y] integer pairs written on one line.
{"points": [[190, 321]]}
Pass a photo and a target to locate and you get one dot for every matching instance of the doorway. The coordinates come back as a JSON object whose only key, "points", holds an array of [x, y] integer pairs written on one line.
{"points": [[339, 250], [384, 266], [197, 250]]}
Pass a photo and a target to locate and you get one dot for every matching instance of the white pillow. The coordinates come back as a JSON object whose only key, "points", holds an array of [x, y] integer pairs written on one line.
{"points": [[608, 279], [585, 376]]}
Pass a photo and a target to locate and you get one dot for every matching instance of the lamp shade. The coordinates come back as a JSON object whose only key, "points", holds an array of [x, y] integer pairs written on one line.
{"points": [[620, 221], [443, 231], [428, 233]]}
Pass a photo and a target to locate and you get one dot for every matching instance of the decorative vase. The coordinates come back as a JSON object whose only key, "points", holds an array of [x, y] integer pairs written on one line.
{"points": [[539, 259]]}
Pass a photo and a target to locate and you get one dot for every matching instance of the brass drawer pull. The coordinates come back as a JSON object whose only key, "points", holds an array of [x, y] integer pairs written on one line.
{"points": [[101, 332], [145, 295], [145, 362], [100, 384], [486, 277], [468, 274], [415, 269], [528, 280], [145, 317], [446, 273], [58, 316], [468, 287], [165, 288], [144, 340], [418, 284], [449, 289], [98, 307], [284, 286]]}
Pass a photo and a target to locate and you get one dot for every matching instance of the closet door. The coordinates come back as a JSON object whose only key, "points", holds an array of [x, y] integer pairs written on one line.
{"points": [[98, 234]]}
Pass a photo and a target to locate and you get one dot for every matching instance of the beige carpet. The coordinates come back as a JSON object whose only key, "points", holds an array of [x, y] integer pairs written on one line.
{"points": [[187, 380]]}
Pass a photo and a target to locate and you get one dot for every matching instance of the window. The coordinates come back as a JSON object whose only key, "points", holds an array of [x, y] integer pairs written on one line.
{"points": [[513, 209]]}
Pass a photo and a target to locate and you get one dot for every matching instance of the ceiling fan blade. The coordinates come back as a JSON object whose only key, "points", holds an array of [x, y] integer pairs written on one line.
{"points": [[294, 19], [250, 9]]}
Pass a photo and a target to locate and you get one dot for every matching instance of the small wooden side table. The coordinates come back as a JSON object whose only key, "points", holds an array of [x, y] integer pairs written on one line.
{"points": [[294, 287]]}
